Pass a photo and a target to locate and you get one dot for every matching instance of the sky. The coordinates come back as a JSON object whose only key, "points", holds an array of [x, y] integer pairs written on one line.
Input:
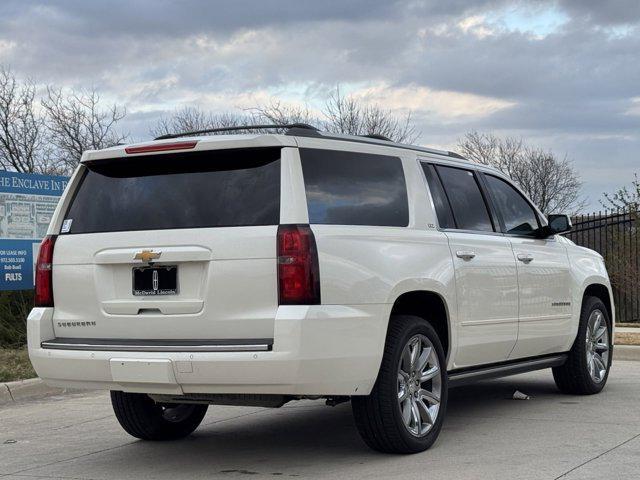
{"points": [[563, 75]]}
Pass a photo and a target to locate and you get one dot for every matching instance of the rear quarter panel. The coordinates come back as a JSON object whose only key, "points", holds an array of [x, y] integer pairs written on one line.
{"points": [[375, 265], [361, 265]]}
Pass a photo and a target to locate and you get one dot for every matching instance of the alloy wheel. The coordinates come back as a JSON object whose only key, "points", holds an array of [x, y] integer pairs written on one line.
{"points": [[597, 346], [419, 385]]}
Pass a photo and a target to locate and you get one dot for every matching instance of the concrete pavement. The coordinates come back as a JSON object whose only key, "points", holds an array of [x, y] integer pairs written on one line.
{"points": [[486, 435], [628, 330], [23, 389]]}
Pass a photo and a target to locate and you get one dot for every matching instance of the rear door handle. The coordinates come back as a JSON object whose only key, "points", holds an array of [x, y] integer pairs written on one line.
{"points": [[465, 254], [525, 257]]}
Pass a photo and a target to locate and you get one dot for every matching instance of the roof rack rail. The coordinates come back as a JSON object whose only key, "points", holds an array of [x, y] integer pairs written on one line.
{"points": [[456, 155], [306, 130], [377, 136], [286, 126], [375, 140]]}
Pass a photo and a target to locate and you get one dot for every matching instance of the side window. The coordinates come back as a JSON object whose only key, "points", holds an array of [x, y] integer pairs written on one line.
{"points": [[466, 200], [518, 215], [348, 188], [443, 209]]}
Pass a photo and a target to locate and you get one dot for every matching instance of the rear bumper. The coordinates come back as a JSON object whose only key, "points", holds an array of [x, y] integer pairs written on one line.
{"points": [[317, 350]]}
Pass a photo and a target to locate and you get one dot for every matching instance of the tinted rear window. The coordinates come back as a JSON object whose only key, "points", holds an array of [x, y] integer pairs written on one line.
{"points": [[187, 190], [466, 200], [346, 188], [443, 209]]}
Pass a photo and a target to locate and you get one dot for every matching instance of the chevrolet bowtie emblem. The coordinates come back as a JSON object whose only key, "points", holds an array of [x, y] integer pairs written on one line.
{"points": [[147, 255]]}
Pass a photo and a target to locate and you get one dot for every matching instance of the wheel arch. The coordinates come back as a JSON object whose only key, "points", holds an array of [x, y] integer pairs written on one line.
{"points": [[430, 306], [602, 292]]}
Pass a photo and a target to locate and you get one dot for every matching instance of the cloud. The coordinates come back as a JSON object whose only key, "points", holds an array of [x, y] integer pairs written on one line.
{"points": [[634, 109], [442, 104], [477, 26], [558, 72], [615, 12]]}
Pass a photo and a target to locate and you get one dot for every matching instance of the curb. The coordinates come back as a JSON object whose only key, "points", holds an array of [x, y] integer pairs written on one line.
{"points": [[12, 392], [626, 352]]}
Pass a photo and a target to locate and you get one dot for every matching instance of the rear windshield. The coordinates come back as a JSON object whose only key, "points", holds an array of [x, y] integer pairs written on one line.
{"points": [[220, 188]]}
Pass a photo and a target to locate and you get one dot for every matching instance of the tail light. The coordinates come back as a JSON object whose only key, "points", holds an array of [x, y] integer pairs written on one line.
{"points": [[298, 271], [44, 273]]}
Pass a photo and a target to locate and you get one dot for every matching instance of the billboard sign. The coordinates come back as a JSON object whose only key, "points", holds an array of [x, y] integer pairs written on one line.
{"points": [[27, 203]]}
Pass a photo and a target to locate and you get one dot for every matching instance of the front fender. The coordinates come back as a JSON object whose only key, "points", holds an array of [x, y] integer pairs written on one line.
{"points": [[588, 269]]}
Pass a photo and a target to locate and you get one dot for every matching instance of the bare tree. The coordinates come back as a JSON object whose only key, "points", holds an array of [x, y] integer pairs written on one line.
{"points": [[344, 114], [280, 113], [625, 198], [550, 182], [340, 114], [78, 121], [22, 146], [191, 119], [351, 116]]}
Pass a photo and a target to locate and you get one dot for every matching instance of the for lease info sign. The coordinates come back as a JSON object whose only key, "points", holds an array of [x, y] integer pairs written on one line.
{"points": [[27, 203]]}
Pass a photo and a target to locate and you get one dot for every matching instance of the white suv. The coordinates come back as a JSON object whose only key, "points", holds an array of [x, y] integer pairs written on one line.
{"points": [[257, 269]]}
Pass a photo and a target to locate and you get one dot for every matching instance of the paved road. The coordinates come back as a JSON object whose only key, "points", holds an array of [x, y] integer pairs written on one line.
{"points": [[487, 435]]}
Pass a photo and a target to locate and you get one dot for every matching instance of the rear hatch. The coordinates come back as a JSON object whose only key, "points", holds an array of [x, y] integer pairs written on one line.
{"points": [[171, 246]]}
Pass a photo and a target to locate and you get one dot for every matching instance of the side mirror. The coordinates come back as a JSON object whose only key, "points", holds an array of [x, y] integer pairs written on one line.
{"points": [[557, 223]]}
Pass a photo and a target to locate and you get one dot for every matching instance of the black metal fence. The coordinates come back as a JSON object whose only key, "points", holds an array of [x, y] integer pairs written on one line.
{"points": [[615, 236]]}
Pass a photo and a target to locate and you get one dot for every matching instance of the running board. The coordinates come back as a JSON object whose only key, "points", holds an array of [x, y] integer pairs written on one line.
{"points": [[465, 376], [128, 345]]}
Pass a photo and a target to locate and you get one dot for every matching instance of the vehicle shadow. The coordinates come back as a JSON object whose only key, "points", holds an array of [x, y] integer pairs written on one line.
{"points": [[308, 436]]}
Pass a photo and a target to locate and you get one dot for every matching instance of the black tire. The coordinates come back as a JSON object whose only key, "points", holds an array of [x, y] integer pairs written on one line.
{"points": [[378, 416], [143, 418], [573, 377]]}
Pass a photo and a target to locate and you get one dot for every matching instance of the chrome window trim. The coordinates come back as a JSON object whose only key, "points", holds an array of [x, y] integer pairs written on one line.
{"points": [[478, 169]]}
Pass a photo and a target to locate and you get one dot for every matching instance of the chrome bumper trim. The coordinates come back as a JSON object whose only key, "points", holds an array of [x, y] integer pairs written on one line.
{"points": [[120, 345]]}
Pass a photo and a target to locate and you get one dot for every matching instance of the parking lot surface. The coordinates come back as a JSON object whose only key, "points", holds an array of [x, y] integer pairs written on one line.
{"points": [[486, 435]]}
